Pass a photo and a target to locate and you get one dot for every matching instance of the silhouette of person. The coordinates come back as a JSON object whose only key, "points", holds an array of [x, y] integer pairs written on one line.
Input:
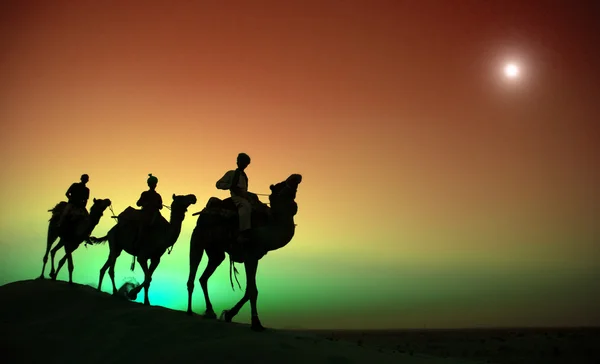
{"points": [[151, 203], [78, 195], [236, 181]]}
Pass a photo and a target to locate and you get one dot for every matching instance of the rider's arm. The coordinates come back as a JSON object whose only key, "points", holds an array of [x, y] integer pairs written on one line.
{"points": [[70, 191], [160, 203], [141, 200], [225, 182]]}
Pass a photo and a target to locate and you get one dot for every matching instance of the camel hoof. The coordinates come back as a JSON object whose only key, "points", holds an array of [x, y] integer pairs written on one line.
{"points": [[132, 295], [256, 325], [41, 277], [210, 315], [190, 313], [226, 316], [258, 328]]}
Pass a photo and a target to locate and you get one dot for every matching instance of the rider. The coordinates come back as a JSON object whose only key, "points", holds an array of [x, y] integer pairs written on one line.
{"points": [[78, 195], [151, 204], [236, 181]]}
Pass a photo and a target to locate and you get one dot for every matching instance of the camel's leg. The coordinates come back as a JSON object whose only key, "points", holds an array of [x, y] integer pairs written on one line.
{"points": [[154, 262], [53, 272], [147, 278], [103, 271], [215, 258], [251, 270], [250, 294], [61, 262], [228, 315], [52, 236], [196, 253], [71, 267], [110, 262], [144, 265], [111, 269]]}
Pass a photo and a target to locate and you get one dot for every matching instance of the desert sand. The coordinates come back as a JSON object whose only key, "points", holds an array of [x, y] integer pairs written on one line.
{"points": [[54, 322], [501, 345]]}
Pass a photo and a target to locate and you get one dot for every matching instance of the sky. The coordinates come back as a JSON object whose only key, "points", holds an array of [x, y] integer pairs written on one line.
{"points": [[436, 193]]}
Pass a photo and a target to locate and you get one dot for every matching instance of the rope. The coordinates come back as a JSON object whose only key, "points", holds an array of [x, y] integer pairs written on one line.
{"points": [[233, 269], [113, 213]]}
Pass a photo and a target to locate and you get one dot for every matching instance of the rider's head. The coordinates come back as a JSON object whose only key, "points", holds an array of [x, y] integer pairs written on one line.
{"points": [[152, 181], [243, 160], [85, 178]]}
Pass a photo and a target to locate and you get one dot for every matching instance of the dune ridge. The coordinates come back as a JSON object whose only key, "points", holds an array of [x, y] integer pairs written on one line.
{"points": [[52, 322]]}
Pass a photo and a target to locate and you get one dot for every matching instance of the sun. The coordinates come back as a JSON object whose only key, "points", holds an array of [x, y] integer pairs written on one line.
{"points": [[511, 70]]}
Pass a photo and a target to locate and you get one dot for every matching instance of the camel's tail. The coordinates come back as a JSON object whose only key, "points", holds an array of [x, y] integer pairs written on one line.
{"points": [[233, 269], [96, 241]]}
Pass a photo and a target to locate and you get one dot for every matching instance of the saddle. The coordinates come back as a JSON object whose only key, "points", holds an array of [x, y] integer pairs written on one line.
{"points": [[74, 222], [130, 215], [75, 213], [227, 210], [215, 204], [135, 217], [57, 209]]}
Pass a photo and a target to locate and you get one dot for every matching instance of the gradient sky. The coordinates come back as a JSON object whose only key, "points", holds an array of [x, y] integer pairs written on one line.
{"points": [[435, 193]]}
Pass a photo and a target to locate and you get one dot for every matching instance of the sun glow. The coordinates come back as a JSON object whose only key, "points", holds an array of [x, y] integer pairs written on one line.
{"points": [[511, 70]]}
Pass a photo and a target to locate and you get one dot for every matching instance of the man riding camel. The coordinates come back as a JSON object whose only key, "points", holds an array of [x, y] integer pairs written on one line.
{"points": [[151, 203], [78, 195], [236, 181]]}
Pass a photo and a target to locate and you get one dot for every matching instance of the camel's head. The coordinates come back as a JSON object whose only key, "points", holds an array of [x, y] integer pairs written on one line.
{"points": [[283, 195], [99, 206], [182, 202]]}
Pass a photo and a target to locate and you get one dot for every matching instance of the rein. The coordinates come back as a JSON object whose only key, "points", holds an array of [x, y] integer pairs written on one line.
{"points": [[113, 213]]}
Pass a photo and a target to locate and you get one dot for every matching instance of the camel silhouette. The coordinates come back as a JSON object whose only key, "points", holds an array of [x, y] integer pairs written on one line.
{"points": [[161, 236], [53, 231], [216, 234], [71, 233]]}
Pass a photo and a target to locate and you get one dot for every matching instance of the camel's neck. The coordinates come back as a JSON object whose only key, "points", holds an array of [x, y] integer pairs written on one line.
{"points": [[175, 223], [280, 233], [92, 221]]}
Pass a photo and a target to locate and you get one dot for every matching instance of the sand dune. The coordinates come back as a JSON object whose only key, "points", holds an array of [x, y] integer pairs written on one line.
{"points": [[52, 322], [500, 345]]}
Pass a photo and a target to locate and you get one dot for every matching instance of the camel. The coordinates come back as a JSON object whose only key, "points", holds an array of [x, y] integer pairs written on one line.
{"points": [[53, 231], [216, 232], [72, 233], [123, 235]]}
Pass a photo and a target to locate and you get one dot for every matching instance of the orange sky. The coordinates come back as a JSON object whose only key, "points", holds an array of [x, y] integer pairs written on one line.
{"points": [[413, 148]]}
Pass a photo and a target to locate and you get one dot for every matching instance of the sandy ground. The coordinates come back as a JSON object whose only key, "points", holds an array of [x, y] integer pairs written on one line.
{"points": [[53, 322], [502, 346]]}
